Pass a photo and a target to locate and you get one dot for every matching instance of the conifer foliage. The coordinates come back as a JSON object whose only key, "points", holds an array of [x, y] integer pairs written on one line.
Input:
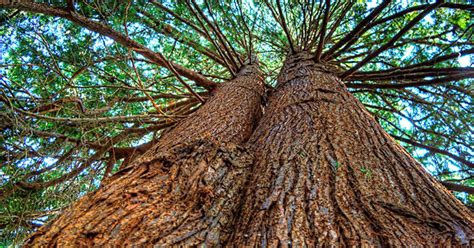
{"points": [[241, 122]]}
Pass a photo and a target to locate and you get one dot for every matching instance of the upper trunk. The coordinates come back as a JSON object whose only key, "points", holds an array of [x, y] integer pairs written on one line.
{"points": [[182, 190], [327, 174]]}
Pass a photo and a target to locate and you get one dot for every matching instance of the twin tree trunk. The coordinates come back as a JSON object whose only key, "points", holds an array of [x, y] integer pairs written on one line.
{"points": [[318, 170]]}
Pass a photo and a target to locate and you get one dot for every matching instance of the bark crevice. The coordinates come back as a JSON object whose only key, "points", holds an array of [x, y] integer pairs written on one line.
{"points": [[327, 174], [183, 191]]}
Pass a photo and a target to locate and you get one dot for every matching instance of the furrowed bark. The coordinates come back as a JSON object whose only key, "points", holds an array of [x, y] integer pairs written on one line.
{"points": [[183, 191], [327, 175]]}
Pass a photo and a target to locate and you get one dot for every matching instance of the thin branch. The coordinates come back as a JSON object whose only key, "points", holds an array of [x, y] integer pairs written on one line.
{"points": [[31, 186], [342, 15], [171, 32], [285, 27], [171, 67], [219, 32], [5, 18], [130, 118], [392, 41], [228, 60], [434, 150], [313, 29], [458, 187], [416, 8], [436, 60], [411, 74], [322, 34], [222, 39], [180, 18], [113, 34], [351, 37], [412, 84]]}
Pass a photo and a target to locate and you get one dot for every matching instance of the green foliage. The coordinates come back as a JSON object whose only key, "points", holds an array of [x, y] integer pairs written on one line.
{"points": [[67, 91], [366, 171]]}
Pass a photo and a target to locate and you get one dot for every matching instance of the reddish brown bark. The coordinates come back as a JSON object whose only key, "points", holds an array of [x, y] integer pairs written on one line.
{"points": [[326, 174], [182, 191]]}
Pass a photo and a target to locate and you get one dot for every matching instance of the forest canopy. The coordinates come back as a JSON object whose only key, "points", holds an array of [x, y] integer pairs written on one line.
{"points": [[87, 85]]}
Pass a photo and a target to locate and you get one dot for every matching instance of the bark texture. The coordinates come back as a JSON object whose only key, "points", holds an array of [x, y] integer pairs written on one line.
{"points": [[182, 191], [326, 174]]}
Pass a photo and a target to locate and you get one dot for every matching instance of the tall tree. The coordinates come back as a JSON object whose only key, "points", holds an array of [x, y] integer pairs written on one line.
{"points": [[183, 189], [158, 110], [327, 174]]}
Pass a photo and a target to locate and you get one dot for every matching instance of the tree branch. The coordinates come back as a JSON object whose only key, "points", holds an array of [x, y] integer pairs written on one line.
{"points": [[416, 8], [350, 38], [409, 74], [183, 20], [113, 34], [412, 84], [458, 187], [322, 34], [392, 41], [5, 18], [435, 150], [170, 31]]}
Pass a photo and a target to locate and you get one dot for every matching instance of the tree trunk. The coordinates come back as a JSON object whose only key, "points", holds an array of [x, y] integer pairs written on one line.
{"points": [[182, 191], [324, 174], [327, 174]]}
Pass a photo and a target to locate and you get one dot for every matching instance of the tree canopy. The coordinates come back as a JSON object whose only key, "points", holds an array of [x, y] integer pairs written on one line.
{"points": [[85, 85]]}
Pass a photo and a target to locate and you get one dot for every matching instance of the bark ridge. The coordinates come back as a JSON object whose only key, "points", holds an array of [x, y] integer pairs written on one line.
{"points": [[327, 174]]}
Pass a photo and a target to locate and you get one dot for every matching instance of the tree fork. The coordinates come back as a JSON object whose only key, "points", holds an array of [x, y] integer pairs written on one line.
{"points": [[327, 174], [182, 191]]}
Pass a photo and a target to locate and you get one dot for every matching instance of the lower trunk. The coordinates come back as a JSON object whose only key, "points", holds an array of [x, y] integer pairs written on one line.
{"points": [[181, 191], [326, 174]]}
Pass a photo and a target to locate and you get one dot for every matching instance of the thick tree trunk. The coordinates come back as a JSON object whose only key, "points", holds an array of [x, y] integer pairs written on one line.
{"points": [[326, 174], [182, 191]]}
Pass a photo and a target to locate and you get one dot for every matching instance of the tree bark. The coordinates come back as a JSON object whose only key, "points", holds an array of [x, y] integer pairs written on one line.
{"points": [[324, 173], [180, 192], [327, 174]]}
